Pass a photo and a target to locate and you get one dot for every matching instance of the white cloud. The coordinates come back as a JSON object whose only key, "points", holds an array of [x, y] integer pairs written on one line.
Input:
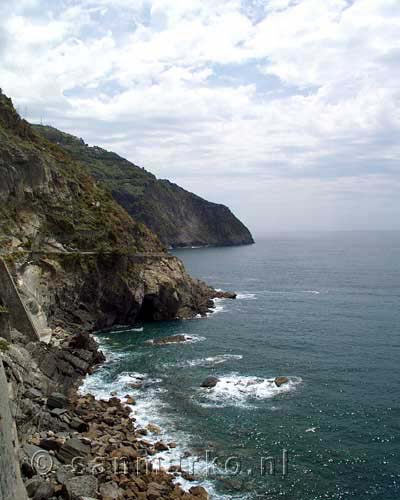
{"points": [[237, 89]]}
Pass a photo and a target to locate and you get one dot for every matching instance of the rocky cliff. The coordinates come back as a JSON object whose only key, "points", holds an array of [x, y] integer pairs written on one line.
{"points": [[72, 260], [77, 256], [178, 217]]}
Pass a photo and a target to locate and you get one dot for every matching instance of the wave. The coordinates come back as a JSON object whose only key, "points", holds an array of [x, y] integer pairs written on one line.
{"points": [[239, 390], [246, 296], [149, 413], [208, 362], [218, 307], [314, 292]]}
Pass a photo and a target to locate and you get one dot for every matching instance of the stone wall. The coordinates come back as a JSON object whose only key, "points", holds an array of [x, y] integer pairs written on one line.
{"points": [[19, 316], [11, 486]]}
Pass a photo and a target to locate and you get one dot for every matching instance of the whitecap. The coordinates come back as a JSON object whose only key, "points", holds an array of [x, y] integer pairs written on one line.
{"points": [[209, 361], [218, 307], [246, 296], [235, 389], [314, 292]]}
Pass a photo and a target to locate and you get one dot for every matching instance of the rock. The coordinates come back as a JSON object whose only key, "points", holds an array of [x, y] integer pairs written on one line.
{"points": [[188, 477], [155, 491], [210, 382], [136, 385], [50, 444], [64, 473], [153, 428], [71, 449], [130, 400], [57, 400], [218, 294], [110, 491], [79, 425], [125, 451], [33, 394], [44, 491], [174, 468], [159, 446], [57, 412], [81, 486], [32, 485], [281, 380], [199, 491]]}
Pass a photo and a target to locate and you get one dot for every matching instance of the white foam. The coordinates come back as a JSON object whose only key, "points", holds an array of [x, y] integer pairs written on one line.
{"points": [[150, 409], [209, 361], [240, 390], [218, 307], [246, 296], [314, 292]]}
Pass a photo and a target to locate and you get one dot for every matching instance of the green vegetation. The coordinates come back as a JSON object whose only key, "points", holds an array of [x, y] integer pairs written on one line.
{"points": [[48, 195], [178, 217], [4, 345]]}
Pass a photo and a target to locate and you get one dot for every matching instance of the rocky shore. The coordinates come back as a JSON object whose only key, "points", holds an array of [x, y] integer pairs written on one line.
{"points": [[72, 446]]}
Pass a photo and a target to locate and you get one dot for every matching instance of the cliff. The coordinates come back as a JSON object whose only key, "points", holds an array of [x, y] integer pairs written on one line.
{"points": [[178, 217], [71, 261], [78, 258]]}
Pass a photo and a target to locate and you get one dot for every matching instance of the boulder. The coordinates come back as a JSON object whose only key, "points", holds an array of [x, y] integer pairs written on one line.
{"points": [[281, 380], [79, 425], [50, 444], [210, 382], [71, 449], [110, 491], [154, 428], [57, 400], [33, 394], [81, 486], [57, 412], [159, 446], [130, 400], [44, 491], [32, 485], [199, 492]]}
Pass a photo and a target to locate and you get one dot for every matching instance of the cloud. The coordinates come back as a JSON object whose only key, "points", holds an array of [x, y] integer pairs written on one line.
{"points": [[301, 92]]}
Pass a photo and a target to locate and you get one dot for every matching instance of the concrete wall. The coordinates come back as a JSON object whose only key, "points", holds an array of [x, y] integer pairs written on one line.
{"points": [[19, 316], [11, 486]]}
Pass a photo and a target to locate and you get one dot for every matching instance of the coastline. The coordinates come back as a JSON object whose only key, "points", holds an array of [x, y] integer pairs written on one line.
{"points": [[76, 446]]}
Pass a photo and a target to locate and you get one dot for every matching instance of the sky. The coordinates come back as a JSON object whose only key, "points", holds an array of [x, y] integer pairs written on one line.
{"points": [[285, 110]]}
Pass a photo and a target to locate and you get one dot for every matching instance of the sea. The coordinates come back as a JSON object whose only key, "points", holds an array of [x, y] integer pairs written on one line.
{"points": [[323, 310]]}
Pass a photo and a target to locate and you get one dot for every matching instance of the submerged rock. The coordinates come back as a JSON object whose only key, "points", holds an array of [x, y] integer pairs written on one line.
{"points": [[281, 381], [210, 382]]}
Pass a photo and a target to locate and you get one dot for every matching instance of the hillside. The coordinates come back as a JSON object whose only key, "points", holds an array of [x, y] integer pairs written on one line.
{"points": [[77, 255], [178, 217]]}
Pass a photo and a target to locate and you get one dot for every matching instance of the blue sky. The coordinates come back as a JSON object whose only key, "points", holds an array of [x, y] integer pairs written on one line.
{"points": [[286, 110]]}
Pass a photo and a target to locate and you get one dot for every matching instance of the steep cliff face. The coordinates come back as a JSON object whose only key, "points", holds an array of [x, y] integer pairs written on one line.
{"points": [[77, 257], [178, 217]]}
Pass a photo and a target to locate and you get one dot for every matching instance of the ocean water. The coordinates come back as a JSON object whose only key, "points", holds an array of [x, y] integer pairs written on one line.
{"points": [[321, 309]]}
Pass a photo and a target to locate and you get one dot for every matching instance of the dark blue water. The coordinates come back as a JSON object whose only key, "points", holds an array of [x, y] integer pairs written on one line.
{"points": [[320, 309]]}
